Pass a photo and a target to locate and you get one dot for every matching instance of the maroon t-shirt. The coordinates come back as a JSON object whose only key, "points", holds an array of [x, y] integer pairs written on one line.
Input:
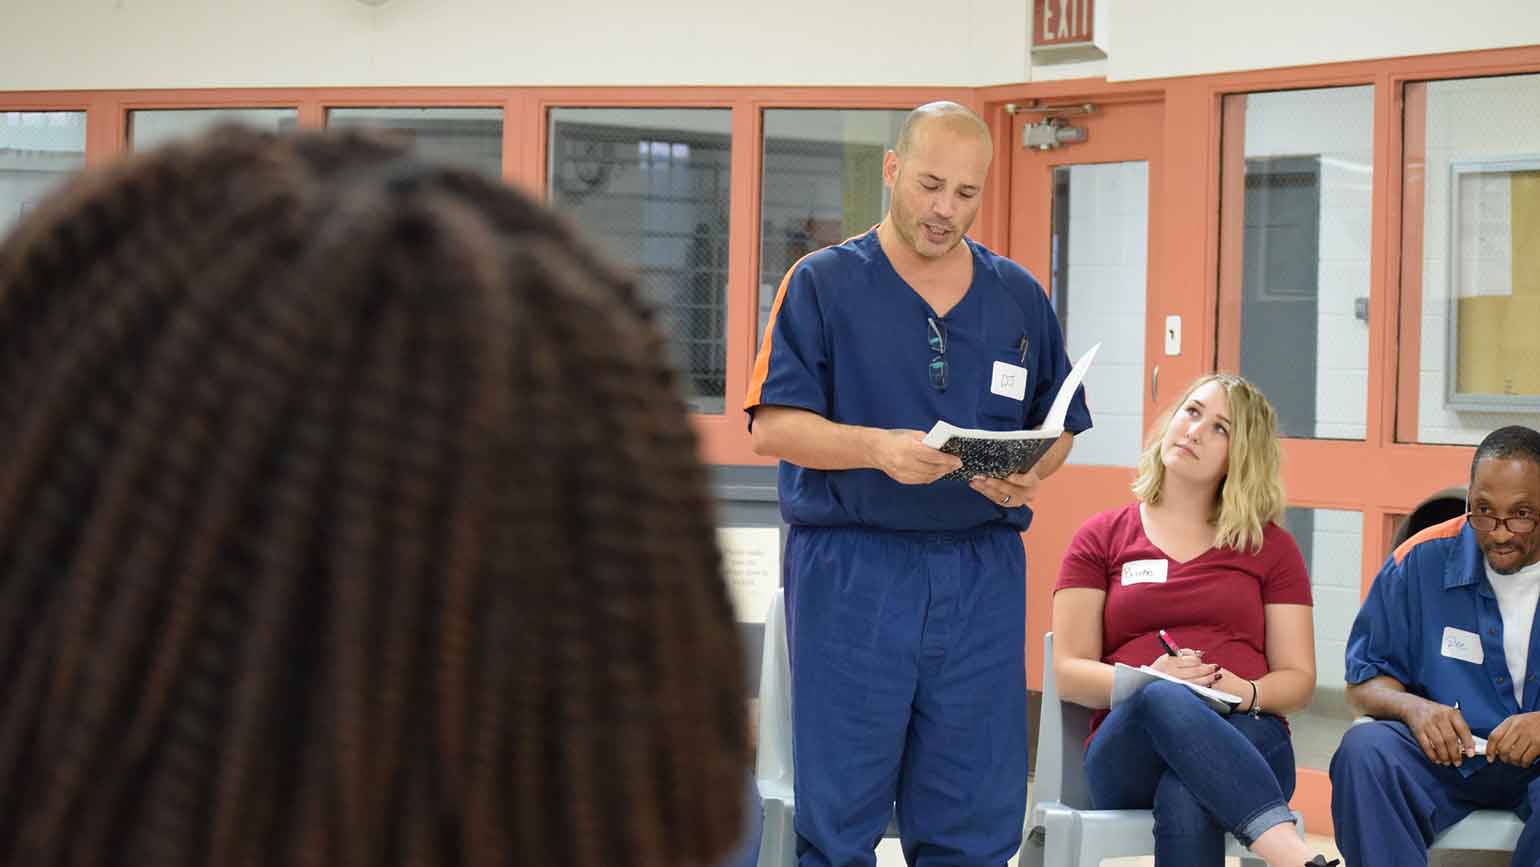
{"points": [[1212, 602]]}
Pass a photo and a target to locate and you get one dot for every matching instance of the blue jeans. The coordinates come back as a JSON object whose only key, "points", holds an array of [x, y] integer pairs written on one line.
{"points": [[1202, 773], [1389, 801]]}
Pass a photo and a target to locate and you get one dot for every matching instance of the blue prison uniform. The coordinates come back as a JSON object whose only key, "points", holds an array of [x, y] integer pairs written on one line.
{"points": [[906, 605], [1429, 609]]}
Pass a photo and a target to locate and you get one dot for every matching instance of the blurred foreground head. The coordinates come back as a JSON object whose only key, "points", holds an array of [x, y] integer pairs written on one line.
{"points": [[348, 516]]}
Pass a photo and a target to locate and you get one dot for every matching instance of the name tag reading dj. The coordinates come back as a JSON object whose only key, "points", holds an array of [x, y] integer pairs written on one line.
{"points": [[1009, 381]]}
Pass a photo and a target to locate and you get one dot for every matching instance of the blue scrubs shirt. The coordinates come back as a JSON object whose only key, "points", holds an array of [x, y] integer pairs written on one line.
{"points": [[1430, 606], [848, 340]]}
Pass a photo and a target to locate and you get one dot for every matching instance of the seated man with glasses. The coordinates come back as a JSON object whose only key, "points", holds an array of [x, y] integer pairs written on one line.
{"points": [[1443, 655]]}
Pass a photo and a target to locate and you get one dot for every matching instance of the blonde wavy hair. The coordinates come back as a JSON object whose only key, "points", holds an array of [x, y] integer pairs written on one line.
{"points": [[1251, 493]]}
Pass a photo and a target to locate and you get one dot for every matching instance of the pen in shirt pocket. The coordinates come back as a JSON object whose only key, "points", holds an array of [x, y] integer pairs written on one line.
{"points": [[1023, 347]]}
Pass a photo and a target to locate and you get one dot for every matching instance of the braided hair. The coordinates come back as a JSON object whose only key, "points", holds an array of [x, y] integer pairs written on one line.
{"points": [[349, 515]]}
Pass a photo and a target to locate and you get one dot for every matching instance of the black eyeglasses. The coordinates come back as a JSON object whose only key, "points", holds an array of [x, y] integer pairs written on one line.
{"points": [[936, 336], [1487, 523]]}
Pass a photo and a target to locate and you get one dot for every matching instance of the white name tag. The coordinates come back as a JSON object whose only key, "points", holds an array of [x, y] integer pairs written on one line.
{"points": [[1009, 380], [1462, 645], [1144, 572]]}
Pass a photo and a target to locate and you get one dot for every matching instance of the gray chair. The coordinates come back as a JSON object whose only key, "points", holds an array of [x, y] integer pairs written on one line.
{"points": [[1062, 829], [1481, 831]]}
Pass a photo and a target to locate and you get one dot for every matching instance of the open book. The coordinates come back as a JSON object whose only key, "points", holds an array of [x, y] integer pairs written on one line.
{"points": [[1127, 680], [999, 453]]}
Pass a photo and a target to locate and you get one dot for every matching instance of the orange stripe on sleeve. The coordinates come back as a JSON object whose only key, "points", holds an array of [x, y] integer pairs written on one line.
{"points": [[1446, 530], [762, 361]]}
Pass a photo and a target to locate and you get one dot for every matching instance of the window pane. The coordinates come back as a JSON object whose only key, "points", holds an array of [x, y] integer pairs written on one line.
{"points": [[38, 151], [149, 128], [468, 137], [822, 184], [1472, 241], [652, 186], [1331, 541], [1294, 256], [1098, 260]]}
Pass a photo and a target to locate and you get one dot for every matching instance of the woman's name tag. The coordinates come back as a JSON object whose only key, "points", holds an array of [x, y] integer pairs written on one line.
{"points": [[1144, 572]]}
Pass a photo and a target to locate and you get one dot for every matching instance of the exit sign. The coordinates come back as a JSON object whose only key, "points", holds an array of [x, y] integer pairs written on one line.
{"points": [[1062, 23]]}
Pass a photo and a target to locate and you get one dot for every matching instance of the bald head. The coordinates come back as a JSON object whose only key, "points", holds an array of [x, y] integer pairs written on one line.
{"points": [[954, 116]]}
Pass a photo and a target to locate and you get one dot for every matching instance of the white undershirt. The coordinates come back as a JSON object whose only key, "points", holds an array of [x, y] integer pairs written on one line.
{"points": [[1516, 598]]}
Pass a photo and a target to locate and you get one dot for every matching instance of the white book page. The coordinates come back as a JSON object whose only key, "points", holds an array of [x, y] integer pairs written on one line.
{"points": [[1127, 680], [1052, 426]]}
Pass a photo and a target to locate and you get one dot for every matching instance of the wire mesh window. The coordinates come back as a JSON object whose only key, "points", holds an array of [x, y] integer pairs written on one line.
{"points": [[467, 137], [822, 184], [148, 128], [38, 151], [652, 185]]}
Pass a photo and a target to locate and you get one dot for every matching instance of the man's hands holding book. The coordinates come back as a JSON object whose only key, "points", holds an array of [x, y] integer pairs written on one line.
{"points": [[902, 455], [1011, 492]]}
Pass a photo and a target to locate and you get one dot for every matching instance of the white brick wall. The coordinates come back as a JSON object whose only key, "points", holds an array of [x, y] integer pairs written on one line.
{"points": [[1336, 565], [1108, 239], [1340, 130]]}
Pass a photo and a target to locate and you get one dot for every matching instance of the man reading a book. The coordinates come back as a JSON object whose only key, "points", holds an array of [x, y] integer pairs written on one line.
{"points": [[905, 593], [1443, 654]]}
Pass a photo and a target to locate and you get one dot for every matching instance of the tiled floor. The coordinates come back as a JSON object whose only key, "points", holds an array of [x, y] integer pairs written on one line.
{"points": [[888, 855], [1316, 733]]}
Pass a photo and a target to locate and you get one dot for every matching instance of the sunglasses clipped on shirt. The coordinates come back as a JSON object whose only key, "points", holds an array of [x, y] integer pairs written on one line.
{"points": [[936, 337]]}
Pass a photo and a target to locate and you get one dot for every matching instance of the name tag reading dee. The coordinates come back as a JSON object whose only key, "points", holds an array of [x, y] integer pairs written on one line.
{"points": [[1145, 572], [1462, 645]]}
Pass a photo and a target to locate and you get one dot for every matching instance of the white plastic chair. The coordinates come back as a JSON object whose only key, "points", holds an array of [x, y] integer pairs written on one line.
{"points": [[1481, 831], [773, 768], [1062, 829]]}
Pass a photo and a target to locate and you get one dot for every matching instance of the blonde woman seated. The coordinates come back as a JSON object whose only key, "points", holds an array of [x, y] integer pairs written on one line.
{"points": [[1200, 556]]}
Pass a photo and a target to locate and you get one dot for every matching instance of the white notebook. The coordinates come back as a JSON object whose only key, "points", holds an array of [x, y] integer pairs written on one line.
{"points": [[1127, 680]]}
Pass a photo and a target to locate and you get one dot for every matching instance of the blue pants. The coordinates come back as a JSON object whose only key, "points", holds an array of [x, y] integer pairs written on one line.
{"points": [[1389, 801], [1202, 773], [908, 685]]}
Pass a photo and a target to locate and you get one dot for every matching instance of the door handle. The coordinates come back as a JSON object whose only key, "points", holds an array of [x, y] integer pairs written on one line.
{"points": [[1155, 383]]}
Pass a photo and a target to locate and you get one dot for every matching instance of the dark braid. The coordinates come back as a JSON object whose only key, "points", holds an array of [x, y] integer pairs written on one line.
{"points": [[348, 516]]}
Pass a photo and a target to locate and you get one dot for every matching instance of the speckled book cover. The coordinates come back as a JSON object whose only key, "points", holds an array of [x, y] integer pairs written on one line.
{"points": [[1000, 453], [994, 457]]}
